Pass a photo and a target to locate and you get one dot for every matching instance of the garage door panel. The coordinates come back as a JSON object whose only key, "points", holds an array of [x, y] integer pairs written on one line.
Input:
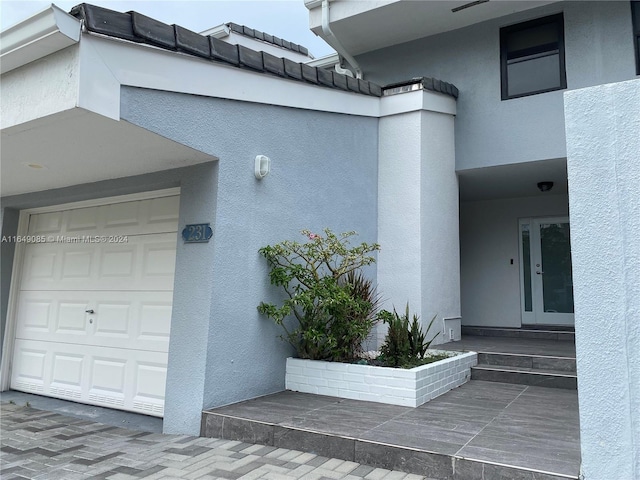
{"points": [[133, 320], [46, 223], [71, 318], [113, 377], [34, 314], [157, 215], [32, 358], [93, 316], [144, 262]]}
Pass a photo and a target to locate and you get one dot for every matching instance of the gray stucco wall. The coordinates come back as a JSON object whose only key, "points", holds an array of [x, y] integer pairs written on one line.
{"points": [[604, 181], [599, 49], [9, 221], [490, 285], [323, 174]]}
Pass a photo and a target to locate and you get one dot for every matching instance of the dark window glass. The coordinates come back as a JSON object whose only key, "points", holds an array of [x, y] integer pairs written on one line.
{"points": [[532, 57], [635, 17]]}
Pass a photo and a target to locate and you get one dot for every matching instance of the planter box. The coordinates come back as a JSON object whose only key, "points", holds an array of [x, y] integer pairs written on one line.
{"points": [[396, 386]]}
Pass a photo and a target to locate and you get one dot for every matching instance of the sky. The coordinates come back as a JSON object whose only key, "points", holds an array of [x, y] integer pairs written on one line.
{"points": [[287, 19]]}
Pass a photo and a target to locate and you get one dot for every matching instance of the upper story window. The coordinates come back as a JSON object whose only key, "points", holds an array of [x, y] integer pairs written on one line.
{"points": [[532, 57], [635, 16]]}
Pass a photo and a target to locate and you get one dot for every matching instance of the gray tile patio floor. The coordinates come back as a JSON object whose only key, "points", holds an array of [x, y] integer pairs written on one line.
{"points": [[529, 428], [44, 445]]}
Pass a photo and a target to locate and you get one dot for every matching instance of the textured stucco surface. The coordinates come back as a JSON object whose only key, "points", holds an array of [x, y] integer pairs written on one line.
{"points": [[44, 87], [418, 216], [323, 174], [490, 285], [599, 49], [9, 221], [603, 145]]}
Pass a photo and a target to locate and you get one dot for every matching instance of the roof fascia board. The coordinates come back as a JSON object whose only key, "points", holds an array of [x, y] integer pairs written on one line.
{"points": [[106, 64], [36, 37]]}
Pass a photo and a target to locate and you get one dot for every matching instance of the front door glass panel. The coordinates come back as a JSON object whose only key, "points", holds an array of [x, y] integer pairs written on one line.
{"points": [[557, 283]]}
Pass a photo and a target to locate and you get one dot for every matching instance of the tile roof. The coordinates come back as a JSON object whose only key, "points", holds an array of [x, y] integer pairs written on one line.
{"points": [[135, 27], [265, 37], [426, 83]]}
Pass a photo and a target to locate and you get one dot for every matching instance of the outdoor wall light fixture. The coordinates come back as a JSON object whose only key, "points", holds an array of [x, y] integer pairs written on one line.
{"points": [[263, 166], [545, 186]]}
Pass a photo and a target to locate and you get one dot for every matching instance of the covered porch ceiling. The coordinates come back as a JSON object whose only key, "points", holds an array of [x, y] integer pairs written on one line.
{"points": [[367, 26], [77, 146], [514, 180]]}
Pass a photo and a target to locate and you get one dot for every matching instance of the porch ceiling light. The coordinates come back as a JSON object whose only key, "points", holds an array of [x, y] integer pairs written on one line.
{"points": [[545, 186]]}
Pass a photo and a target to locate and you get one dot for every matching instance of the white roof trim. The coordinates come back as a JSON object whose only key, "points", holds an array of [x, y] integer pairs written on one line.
{"points": [[330, 60], [38, 36]]}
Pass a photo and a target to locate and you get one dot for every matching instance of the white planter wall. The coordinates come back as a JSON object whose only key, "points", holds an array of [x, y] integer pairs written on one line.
{"points": [[396, 386]]}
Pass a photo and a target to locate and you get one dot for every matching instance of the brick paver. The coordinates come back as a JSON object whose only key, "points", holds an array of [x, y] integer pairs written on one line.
{"points": [[48, 446]]}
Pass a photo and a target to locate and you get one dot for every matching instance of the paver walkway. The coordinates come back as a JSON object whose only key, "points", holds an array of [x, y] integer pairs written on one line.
{"points": [[38, 444]]}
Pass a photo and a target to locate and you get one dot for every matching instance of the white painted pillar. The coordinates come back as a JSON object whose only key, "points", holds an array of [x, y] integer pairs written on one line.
{"points": [[418, 217], [603, 162]]}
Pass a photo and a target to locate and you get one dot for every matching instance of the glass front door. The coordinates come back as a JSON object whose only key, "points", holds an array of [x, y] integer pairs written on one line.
{"points": [[546, 281]]}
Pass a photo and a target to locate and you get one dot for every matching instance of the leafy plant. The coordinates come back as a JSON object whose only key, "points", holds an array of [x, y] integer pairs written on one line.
{"points": [[404, 344], [332, 303], [396, 348]]}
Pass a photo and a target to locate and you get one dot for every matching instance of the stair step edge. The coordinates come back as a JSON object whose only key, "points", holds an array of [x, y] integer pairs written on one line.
{"points": [[499, 368]]}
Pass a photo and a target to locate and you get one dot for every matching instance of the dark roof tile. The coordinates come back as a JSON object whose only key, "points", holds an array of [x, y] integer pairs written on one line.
{"points": [[135, 27], [223, 51], [235, 27], [250, 58], [352, 84], [258, 34], [428, 83], [364, 87], [277, 41], [105, 21], [292, 69], [303, 50], [273, 64], [310, 74], [191, 42], [153, 31], [325, 77], [376, 90], [268, 38], [340, 81], [248, 31]]}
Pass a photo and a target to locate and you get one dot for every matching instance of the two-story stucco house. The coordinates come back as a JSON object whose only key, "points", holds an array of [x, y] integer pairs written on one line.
{"points": [[492, 148]]}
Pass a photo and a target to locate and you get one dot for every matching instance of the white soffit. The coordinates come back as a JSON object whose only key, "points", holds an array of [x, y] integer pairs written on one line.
{"points": [[76, 147], [38, 36], [365, 26]]}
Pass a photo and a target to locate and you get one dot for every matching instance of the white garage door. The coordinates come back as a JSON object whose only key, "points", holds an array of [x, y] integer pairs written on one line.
{"points": [[93, 314]]}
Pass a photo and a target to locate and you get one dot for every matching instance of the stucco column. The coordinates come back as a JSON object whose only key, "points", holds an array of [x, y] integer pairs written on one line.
{"points": [[418, 223], [603, 162]]}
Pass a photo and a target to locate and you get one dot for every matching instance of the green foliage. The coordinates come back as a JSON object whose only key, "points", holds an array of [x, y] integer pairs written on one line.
{"points": [[404, 345], [396, 348], [332, 303]]}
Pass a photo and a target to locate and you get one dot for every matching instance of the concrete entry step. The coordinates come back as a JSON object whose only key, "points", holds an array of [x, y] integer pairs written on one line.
{"points": [[539, 362], [542, 333], [525, 376]]}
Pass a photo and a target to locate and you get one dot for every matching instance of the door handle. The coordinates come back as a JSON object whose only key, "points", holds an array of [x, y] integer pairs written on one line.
{"points": [[89, 311]]}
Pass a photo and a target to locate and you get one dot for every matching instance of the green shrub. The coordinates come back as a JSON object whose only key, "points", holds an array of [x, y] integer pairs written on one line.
{"points": [[404, 345], [332, 303]]}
